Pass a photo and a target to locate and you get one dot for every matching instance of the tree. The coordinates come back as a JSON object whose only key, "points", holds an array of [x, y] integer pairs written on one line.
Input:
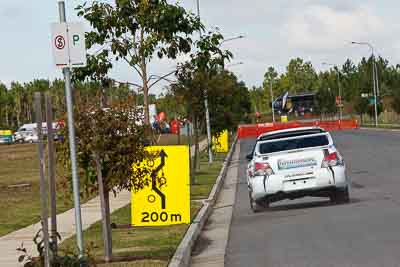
{"points": [[17, 90], [5, 100], [269, 76], [350, 81], [328, 89], [396, 101], [270, 80], [300, 76], [135, 31], [173, 105], [194, 75], [229, 102], [109, 143], [258, 99]]}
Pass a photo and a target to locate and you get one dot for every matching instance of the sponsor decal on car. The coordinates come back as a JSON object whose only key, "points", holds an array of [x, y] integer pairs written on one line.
{"points": [[295, 175], [296, 163]]}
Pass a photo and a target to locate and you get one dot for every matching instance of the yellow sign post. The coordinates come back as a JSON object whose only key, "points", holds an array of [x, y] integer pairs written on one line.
{"points": [[166, 201], [221, 144]]}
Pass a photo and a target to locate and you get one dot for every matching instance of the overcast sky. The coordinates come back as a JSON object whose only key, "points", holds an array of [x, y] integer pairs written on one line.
{"points": [[276, 31]]}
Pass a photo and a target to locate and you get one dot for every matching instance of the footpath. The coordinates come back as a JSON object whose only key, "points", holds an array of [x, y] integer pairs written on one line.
{"points": [[91, 213], [213, 240]]}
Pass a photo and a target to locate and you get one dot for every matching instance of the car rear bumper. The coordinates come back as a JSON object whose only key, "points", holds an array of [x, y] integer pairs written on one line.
{"points": [[278, 187]]}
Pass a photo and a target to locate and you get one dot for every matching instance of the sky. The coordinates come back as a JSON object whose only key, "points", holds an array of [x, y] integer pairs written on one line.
{"points": [[275, 31]]}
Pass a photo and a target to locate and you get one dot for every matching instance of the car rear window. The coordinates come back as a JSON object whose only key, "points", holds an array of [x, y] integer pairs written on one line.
{"points": [[290, 144], [290, 134]]}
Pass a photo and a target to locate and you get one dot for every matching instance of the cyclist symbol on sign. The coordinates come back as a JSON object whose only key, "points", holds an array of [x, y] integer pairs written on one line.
{"points": [[59, 42]]}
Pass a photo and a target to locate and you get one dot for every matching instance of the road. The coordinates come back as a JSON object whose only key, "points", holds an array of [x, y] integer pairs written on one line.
{"points": [[313, 232]]}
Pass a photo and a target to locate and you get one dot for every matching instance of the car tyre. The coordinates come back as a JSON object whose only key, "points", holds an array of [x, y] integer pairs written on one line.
{"points": [[256, 206], [341, 196]]}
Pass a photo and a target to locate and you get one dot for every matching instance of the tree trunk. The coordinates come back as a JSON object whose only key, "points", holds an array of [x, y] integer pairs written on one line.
{"points": [[196, 144], [143, 67], [179, 131], [105, 211], [18, 107], [145, 94], [103, 97], [7, 120], [190, 154], [196, 148]]}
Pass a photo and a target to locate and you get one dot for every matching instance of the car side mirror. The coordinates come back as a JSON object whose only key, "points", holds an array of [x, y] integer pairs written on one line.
{"points": [[249, 157]]}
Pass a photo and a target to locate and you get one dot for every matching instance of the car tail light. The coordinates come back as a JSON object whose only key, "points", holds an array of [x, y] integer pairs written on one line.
{"points": [[261, 169], [331, 160]]}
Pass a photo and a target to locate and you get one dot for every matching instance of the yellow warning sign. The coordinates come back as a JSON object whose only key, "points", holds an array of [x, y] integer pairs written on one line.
{"points": [[220, 144], [166, 201]]}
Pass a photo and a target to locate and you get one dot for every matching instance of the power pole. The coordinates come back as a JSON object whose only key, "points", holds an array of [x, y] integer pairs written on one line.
{"points": [[209, 139], [72, 146]]}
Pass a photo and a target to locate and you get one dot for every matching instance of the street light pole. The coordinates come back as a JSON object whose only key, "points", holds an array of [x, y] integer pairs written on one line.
{"points": [[231, 39], [339, 89], [272, 101], [208, 124], [234, 64], [340, 97], [374, 78]]}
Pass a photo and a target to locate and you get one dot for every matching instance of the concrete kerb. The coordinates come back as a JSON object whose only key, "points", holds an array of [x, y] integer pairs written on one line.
{"points": [[182, 255]]}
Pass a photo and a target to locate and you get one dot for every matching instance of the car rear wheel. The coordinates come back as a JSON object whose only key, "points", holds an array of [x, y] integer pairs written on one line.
{"points": [[257, 206], [341, 196]]}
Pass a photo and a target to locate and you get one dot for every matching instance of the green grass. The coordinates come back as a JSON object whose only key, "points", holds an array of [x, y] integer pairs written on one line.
{"points": [[150, 243], [156, 245], [20, 206], [381, 126], [146, 263], [206, 176], [173, 139], [18, 165]]}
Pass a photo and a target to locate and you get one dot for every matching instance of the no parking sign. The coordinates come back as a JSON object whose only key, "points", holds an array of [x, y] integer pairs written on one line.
{"points": [[68, 44]]}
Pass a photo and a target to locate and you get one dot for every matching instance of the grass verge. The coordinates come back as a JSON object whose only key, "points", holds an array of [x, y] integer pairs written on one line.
{"points": [[149, 246], [19, 188], [20, 205], [382, 126]]}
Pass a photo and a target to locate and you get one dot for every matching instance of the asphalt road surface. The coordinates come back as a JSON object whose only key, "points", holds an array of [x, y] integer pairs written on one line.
{"points": [[311, 231]]}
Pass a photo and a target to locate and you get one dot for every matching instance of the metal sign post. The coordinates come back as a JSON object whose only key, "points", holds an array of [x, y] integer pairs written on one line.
{"points": [[43, 182], [60, 42], [52, 171]]}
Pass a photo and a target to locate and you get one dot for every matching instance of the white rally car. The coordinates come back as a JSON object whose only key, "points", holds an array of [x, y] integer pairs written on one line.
{"points": [[295, 163]]}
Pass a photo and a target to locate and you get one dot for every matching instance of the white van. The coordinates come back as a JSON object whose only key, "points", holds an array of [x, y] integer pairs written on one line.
{"points": [[26, 131]]}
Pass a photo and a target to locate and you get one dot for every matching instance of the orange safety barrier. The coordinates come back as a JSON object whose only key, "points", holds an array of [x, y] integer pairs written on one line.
{"points": [[255, 130]]}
